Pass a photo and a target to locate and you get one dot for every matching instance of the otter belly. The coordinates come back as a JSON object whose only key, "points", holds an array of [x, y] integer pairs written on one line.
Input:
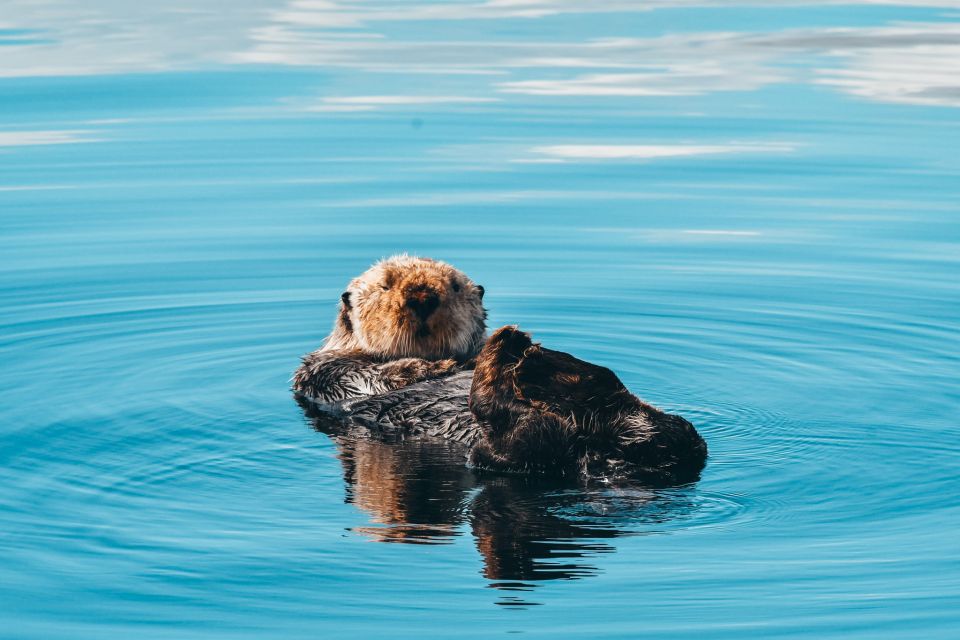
{"points": [[437, 408]]}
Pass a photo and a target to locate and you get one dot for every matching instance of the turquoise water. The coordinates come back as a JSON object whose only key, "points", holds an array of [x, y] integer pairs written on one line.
{"points": [[749, 212]]}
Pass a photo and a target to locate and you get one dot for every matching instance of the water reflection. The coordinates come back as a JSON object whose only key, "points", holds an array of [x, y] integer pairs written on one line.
{"points": [[420, 491], [555, 51]]}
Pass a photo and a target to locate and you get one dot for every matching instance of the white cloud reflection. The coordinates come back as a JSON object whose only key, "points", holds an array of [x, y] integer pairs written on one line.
{"points": [[721, 233], [322, 14], [35, 138], [925, 75], [365, 103], [674, 80], [910, 62], [649, 152]]}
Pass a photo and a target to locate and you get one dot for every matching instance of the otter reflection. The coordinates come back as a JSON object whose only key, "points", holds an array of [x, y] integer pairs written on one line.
{"points": [[527, 529]]}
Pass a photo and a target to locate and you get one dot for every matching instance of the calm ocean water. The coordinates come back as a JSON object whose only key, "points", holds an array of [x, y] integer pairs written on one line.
{"points": [[749, 212]]}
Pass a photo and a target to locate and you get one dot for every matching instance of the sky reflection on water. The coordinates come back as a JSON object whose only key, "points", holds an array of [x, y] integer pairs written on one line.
{"points": [[747, 210]]}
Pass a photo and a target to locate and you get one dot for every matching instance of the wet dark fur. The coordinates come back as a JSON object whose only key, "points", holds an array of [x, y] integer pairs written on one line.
{"points": [[334, 376], [545, 411], [524, 409]]}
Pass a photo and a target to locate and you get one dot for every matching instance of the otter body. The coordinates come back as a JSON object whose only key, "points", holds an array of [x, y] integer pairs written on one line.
{"points": [[408, 356]]}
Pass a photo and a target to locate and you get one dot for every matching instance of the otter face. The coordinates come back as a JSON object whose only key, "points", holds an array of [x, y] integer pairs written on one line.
{"points": [[412, 307]]}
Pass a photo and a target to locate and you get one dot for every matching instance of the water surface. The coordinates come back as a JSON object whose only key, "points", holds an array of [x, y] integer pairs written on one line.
{"points": [[748, 212]]}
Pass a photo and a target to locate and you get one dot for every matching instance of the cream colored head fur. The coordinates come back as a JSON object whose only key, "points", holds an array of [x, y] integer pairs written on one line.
{"points": [[406, 306]]}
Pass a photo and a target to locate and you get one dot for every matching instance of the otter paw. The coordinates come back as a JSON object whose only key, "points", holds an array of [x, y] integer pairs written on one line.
{"points": [[483, 456], [493, 398], [407, 371], [505, 346], [497, 361], [445, 366]]}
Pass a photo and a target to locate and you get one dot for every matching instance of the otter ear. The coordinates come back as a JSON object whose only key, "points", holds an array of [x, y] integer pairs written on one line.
{"points": [[345, 312], [480, 291]]}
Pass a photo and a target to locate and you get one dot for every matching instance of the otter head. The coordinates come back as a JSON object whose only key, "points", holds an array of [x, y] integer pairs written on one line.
{"points": [[406, 306]]}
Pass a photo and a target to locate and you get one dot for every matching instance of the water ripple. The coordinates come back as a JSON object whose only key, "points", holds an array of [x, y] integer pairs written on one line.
{"points": [[774, 261]]}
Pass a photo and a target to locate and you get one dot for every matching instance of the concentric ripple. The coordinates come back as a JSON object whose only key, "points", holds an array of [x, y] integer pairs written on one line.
{"points": [[651, 188]]}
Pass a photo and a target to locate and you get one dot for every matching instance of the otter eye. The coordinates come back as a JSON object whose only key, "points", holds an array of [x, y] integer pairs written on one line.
{"points": [[456, 287], [385, 287]]}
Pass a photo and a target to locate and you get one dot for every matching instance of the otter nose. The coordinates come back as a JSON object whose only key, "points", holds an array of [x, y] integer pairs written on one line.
{"points": [[423, 302]]}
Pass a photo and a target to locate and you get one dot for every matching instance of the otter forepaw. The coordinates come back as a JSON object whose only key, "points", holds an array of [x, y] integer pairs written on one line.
{"points": [[484, 457], [507, 344], [493, 394], [407, 371]]}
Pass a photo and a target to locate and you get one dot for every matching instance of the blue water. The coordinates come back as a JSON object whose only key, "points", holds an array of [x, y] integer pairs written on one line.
{"points": [[749, 212]]}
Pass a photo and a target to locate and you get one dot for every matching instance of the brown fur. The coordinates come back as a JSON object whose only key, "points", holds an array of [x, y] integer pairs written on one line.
{"points": [[403, 321], [545, 411], [378, 313]]}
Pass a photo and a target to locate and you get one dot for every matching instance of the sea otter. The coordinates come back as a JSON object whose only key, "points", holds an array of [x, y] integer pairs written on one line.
{"points": [[408, 357]]}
